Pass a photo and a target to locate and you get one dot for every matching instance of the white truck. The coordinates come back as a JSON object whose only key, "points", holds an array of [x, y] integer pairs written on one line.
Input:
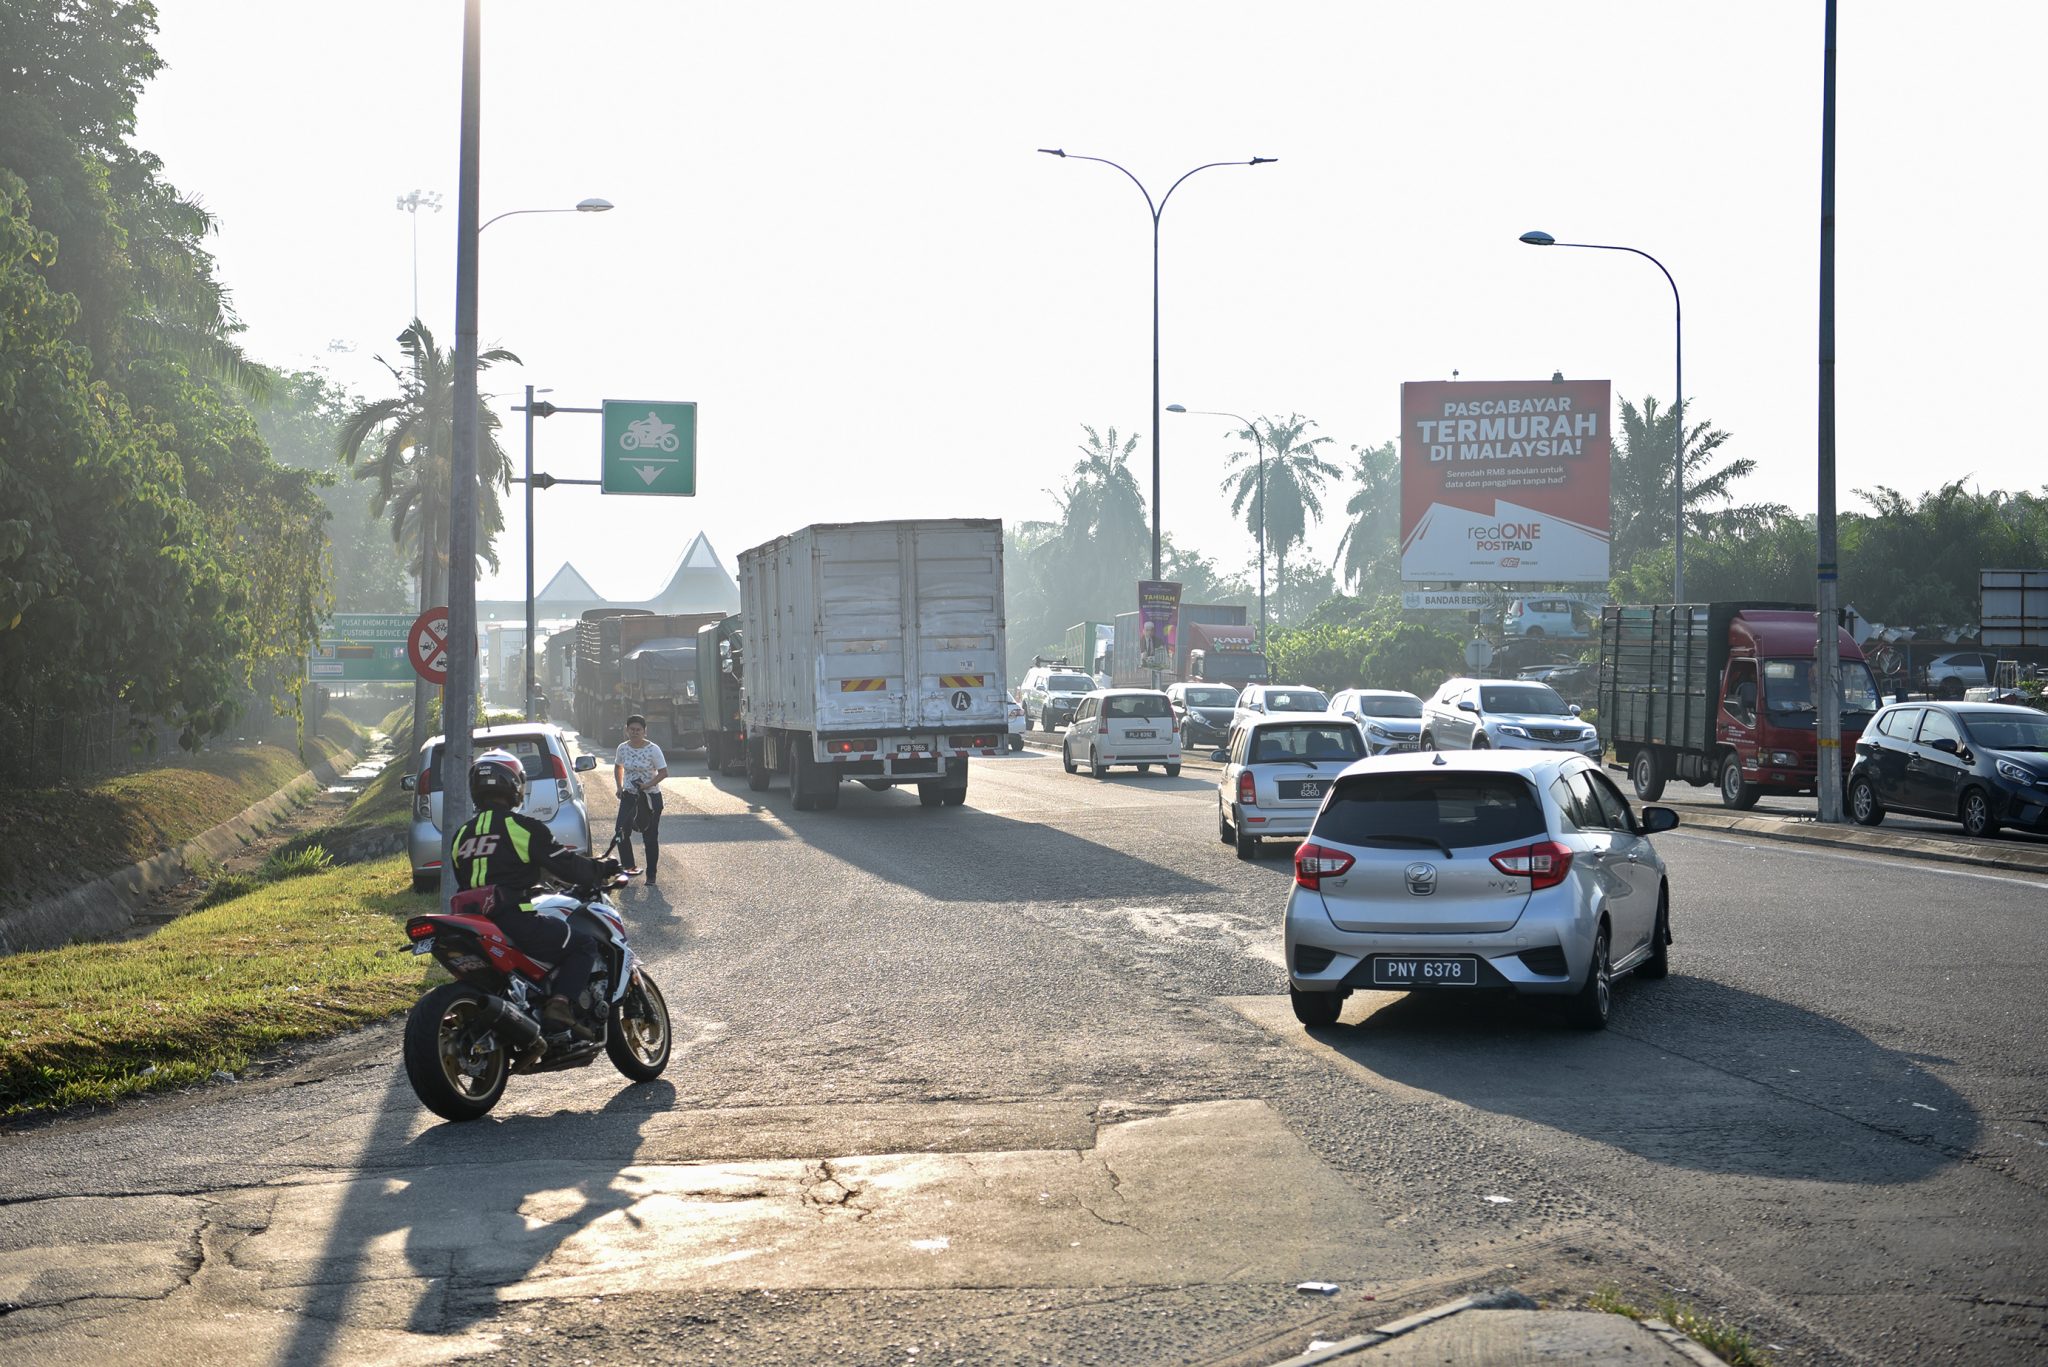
{"points": [[874, 653]]}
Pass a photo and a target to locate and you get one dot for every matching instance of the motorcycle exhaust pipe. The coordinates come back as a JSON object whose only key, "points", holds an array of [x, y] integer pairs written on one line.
{"points": [[500, 1014]]}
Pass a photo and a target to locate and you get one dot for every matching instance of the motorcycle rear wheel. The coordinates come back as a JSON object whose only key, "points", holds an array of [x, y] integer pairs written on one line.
{"points": [[639, 1038], [453, 1077]]}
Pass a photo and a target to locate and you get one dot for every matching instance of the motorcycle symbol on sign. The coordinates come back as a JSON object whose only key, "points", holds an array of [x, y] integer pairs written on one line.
{"points": [[650, 432]]}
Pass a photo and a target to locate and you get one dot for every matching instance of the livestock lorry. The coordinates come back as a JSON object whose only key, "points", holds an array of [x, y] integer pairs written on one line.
{"points": [[721, 676], [875, 653], [1213, 645], [1721, 694], [632, 661]]}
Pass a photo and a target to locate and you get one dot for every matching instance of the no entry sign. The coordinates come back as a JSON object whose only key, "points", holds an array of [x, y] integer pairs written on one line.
{"points": [[426, 645]]}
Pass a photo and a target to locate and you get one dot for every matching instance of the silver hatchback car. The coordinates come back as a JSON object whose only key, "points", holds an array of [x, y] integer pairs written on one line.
{"points": [[553, 792], [1523, 871], [1275, 773]]}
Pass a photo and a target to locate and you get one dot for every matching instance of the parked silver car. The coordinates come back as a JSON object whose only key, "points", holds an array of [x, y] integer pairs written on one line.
{"points": [[553, 792], [1275, 772], [1390, 719], [1504, 714], [1521, 871]]}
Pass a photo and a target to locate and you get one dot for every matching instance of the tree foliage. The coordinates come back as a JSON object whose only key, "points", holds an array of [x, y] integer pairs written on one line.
{"points": [[1278, 484], [1641, 484], [151, 554]]}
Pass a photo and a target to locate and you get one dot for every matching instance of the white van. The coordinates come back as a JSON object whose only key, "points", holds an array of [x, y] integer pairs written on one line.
{"points": [[1122, 726]]}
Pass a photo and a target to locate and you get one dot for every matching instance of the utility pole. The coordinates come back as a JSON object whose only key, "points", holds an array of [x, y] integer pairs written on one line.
{"points": [[458, 696], [1827, 657]]}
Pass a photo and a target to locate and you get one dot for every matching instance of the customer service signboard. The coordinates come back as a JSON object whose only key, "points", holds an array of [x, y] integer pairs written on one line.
{"points": [[1505, 481]]}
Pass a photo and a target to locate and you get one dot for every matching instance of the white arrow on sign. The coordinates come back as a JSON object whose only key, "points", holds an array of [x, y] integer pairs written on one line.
{"points": [[649, 473]]}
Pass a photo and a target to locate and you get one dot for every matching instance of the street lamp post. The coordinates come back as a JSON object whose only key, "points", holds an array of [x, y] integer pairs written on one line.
{"points": [[532, 411], [1156, 210], [1542, 239], [1252, 428], [412, 202]]}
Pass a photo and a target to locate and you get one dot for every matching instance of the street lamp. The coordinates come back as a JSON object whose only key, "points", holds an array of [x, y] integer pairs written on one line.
{"points": [[538, 410], [1542, 239], [1156, 210], [1253, 428], [412, 202]]}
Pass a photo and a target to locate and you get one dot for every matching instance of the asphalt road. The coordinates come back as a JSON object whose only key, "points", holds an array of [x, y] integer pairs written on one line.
{"points": [[1016, 1082]]}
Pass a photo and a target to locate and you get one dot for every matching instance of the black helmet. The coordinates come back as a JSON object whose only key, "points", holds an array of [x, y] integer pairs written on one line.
{"points": [[496, 779]]}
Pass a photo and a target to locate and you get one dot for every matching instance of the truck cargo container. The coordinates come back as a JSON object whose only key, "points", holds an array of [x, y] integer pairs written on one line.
{"points": [[1721, 694], [628, 661], [1128, 670], [721, 675], [875, 652], [1086, 646]]}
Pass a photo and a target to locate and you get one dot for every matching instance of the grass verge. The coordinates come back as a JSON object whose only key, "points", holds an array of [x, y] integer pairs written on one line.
{"points": [[58, 838], [1724, 1341], [295, 960]]}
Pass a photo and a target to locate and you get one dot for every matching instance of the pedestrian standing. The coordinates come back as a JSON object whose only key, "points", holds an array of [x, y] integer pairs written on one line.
{"points": [[637, 770]]}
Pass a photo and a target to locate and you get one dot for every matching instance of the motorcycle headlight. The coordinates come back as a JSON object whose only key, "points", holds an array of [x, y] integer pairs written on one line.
{"points": [[2016, 773], [1507, 730]]}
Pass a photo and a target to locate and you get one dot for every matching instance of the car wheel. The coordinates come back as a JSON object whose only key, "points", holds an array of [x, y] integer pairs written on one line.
{"points": [[1247, 845], [1976, 814], [1095, 765], [1016, 743], [1736, 792], [1222, 825], [1534, 633], [1658, 965], [1481, 743], [1863, 803], [1066, 757], [1316, 1008], [1144, 768], [1590, 1004], [1951, 689], [1428, 742], [1646, 772], [1173, 771], [427, 882]]}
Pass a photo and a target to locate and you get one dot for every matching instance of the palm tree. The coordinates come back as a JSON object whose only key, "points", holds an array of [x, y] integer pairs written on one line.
{"points": [[406, 443], [1642, 483], [1375, 512], [1102, 502], [1295, 476]]}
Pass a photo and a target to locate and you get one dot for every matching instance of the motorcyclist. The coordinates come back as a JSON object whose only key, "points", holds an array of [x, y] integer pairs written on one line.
{"points": [[502, 849]]}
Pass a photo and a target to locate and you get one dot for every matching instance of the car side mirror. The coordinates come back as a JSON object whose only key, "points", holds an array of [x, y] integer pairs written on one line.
{"points": [[1468, 706], [1572, 708], [585, 763], [1946, 745], [1657, 819], [1220, 756], [410, 783]]}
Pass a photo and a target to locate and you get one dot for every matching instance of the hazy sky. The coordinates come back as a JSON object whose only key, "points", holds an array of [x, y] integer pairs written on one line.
{"points": [[833, 231]]}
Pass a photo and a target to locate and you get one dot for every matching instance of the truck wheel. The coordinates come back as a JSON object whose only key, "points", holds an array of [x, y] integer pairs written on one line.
{"points": [[1736, 792], [712, 755], [1646, 771], [955, 794], [758, 775], [930, 794]]}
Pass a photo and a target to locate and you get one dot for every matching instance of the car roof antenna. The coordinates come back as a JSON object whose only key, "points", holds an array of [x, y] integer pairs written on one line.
{"points": [[1439, 758]]}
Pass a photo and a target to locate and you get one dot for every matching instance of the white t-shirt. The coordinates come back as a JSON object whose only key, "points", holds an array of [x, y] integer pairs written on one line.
{"points": [[641, 766]]}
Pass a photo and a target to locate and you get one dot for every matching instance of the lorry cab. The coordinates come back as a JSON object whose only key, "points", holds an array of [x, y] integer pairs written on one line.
{"points": [[1768, 707]]}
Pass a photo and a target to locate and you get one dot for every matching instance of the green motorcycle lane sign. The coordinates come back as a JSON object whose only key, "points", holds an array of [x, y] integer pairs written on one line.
{"points": [[650, 447]]}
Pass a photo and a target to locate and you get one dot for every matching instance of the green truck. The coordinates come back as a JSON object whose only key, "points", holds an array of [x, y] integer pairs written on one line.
{"points": [[720, 674]]}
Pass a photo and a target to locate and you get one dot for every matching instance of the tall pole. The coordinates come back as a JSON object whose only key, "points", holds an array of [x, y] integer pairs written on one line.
{"points": [[1827, 663], [1542, 239], [1252, 428], [530, 623], [458, 696], [1156, 209]]}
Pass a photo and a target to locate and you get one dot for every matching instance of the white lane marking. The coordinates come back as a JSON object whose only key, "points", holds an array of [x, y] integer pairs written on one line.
{"points": [[1903, 863]]}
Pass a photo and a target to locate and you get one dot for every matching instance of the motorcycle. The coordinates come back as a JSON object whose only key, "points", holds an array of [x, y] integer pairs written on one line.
{"points": [[464, 1040]]}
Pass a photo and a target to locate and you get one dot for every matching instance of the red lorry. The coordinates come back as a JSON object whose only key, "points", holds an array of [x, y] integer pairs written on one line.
{"points": [[1721, 694]]}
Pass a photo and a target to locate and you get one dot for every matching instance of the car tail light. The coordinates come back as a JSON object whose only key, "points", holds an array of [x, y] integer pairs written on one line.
{"points": [[422, 809], [1247, 791], [560, 770], [428, 781], [1313, 863], [1544, 863], [859, 746]]}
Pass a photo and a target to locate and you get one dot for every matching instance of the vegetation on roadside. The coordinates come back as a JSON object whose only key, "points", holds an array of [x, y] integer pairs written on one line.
{"points": [[295, 862], [1724, 1341], [58, 838], [209, 992]]}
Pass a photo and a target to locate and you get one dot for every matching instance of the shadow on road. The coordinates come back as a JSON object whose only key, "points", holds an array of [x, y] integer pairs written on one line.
{"points": [[1691, 1073]]}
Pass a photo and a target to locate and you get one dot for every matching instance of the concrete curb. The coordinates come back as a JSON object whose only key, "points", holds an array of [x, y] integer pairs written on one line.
{"points": [[106, 906], [1501, 1298]]}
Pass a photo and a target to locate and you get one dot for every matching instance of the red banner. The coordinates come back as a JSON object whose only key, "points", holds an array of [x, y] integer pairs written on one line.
{"points": [[1505, 481]]}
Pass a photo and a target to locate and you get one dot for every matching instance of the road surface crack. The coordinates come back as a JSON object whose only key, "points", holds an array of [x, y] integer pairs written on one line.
{"points": [[826, 1191]]}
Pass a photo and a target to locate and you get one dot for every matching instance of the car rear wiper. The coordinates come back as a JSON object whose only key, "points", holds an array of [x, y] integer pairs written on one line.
{"points": [[1428, 840]]}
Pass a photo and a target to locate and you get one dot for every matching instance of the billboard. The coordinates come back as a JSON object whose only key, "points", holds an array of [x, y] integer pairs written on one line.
{"points": [[1505, 481], [1158, 623]]}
